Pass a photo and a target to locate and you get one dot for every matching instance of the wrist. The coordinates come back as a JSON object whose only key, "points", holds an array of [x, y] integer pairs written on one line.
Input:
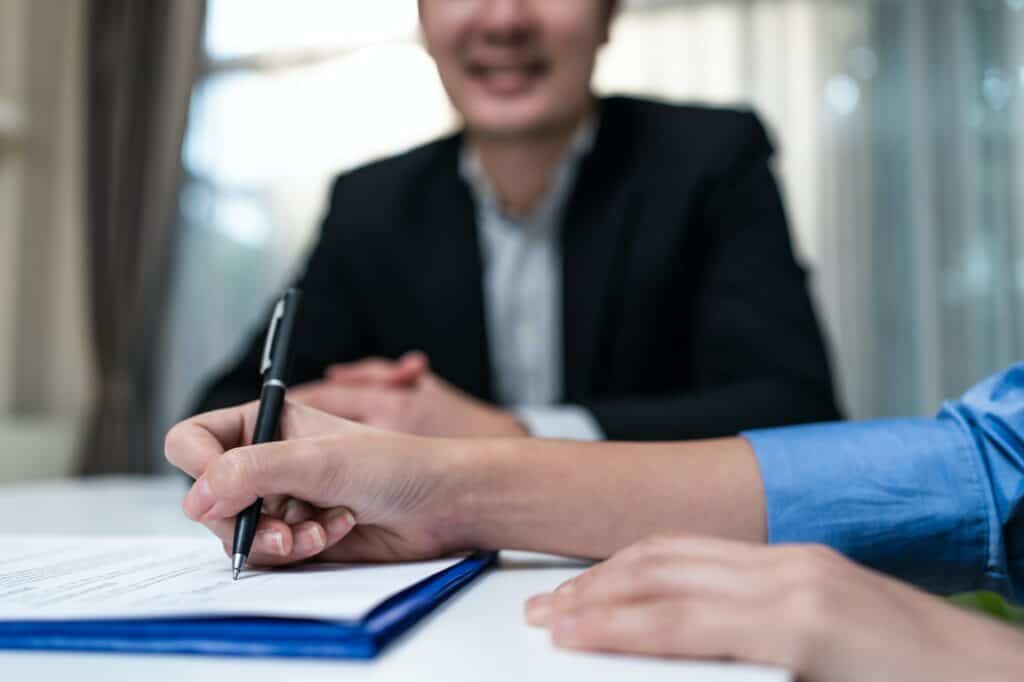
{"points": [[483, 491], [454, 466]]}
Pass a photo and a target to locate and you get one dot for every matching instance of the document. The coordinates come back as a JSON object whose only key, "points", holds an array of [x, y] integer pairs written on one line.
{"points": [[96, 577]]}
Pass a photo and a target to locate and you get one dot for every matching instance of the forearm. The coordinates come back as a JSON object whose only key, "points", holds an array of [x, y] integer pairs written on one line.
{"points": [[591, 499]]}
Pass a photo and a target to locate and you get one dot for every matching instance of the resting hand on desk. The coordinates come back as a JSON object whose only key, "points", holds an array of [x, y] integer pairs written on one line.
{"points": [[801, 607], [404, 395]]}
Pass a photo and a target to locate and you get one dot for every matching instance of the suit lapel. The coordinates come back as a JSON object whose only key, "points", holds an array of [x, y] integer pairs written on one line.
{"points": [[595, 236], [446, 274]]}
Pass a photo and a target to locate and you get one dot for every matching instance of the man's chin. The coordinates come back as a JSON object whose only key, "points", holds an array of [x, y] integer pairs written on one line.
{"points": [[512, 125]]}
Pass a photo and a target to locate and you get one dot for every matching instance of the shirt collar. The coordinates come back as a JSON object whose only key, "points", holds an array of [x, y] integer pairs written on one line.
{"points": [[561, 179]]}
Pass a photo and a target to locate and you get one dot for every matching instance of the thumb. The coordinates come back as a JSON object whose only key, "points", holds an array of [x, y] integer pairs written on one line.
{"points": [[299, 468]]}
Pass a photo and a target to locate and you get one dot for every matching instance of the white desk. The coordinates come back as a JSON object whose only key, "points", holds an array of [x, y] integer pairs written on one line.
{"points": [[478, 635]]}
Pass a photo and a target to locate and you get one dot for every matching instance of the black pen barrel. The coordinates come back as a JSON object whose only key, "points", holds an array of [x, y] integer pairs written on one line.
{"points": [[245, 528], [267, 419], [271, 402]]}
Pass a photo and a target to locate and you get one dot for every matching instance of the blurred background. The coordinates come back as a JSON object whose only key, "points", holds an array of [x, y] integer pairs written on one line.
{"points": [[162, 172]]}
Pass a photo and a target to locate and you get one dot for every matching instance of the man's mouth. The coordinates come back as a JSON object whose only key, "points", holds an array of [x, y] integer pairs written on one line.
{"points": [[508, 78]]}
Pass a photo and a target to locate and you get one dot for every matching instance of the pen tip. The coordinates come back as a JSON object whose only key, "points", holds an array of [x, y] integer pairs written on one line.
{"points": [[237, 563]]}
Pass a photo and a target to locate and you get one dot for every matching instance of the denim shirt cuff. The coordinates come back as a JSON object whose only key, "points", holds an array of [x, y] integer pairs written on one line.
{"points": [[900, 495]]}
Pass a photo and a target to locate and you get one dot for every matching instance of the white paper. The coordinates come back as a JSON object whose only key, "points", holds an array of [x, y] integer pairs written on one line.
{"points": [[85, 577]]}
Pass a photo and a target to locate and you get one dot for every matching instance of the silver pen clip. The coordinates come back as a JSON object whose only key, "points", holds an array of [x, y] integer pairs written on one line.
{"points": [[268, 345]]}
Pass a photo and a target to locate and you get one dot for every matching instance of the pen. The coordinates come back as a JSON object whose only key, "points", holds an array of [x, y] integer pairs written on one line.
{"points": [[273, 373]]}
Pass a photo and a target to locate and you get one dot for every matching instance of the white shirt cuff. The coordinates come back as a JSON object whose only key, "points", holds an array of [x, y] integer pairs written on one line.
{"points": [[570, 422]]}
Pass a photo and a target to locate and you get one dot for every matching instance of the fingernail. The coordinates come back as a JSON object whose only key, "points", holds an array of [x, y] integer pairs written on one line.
{"points": [[341, 523], [310, 540], [273, 540], [538, 610], [565, 631], [318, 536], [566, 588]]}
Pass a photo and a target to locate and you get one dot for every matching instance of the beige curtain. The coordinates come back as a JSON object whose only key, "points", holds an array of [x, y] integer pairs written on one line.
{"points": [[901, 138], [141, 61]]}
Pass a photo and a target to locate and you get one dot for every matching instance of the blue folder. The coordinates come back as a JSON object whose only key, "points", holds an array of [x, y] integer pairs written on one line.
{"points": [[289, 637]]}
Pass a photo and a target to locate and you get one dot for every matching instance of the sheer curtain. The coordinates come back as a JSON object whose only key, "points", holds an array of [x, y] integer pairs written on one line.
{"points": [[897, 121], [899, 124], [947, 221]]}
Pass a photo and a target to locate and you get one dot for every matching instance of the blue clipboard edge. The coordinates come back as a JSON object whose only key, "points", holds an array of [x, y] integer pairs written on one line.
{"points": [[276, 637]]}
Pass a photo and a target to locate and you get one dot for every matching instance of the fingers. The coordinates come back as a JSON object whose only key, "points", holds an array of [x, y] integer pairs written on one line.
{"points": [[277, 543], [298, 468], [651, 566], [377, 544], [195, 443], [378, 371], [703, 598], [349, 402], [272, 545], [191, 444], [697, 627], [318, 395], [368, 371], [656, 578], [411, 367], [337, 523], [685, 546], [288, 509]]}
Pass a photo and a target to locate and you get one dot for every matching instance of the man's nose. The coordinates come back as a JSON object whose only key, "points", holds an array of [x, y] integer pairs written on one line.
{"points": [[506, 19]]}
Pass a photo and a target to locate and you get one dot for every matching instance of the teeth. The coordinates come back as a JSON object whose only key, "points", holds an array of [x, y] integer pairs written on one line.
{"points": [[526, 70], [509, 70]]}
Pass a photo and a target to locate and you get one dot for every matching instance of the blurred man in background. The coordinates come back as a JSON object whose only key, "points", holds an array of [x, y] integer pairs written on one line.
{"points": [[564, 266]]}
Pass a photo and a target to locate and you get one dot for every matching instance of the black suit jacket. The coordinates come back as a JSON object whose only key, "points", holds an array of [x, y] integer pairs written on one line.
{"points": [[684, 312]]}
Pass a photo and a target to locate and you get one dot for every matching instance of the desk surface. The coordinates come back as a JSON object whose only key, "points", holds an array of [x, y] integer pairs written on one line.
{"points": [[478, 635]]}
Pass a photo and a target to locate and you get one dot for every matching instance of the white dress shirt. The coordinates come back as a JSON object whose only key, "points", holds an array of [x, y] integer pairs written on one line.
{"points": [[522, 284]]}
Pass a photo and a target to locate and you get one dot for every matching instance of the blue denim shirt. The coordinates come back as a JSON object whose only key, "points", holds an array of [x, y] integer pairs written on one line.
{"points": [[937, 502]]}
